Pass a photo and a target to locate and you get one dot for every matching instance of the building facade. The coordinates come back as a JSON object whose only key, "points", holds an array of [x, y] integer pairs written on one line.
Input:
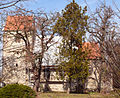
{"points": [[16, 69]]}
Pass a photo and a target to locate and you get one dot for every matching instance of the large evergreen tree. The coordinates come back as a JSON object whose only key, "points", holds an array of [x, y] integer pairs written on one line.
{"points": [[72, 27]]}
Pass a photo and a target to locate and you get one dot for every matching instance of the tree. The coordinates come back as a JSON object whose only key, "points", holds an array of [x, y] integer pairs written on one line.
{"points": [[45, 34], [103, 30], [8, 3], [117, 13], [72, 27], [35, 35]]}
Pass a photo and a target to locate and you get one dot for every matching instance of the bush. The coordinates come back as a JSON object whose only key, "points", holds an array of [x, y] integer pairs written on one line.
{"points": [[16, 91]]}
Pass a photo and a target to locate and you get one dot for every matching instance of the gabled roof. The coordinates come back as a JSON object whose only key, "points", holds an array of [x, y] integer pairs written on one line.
{"points": [[19, 23]]}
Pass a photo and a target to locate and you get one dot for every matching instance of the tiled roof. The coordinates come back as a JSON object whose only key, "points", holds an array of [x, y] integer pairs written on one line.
{"points": [[93, 50], [14, 23]]}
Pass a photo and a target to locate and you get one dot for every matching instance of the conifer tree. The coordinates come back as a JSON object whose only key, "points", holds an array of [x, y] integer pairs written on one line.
{"points": [[72, 27]]}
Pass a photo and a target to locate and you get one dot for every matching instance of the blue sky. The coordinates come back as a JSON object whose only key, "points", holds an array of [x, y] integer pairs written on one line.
{"points": [[58, 5]]}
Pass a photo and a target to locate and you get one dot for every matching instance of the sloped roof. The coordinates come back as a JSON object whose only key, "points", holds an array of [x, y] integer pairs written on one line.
{"points": [[93, 50], [14, 23]]}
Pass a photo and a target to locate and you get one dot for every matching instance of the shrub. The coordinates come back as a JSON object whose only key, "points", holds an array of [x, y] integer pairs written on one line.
{"points": [[16, 91]]}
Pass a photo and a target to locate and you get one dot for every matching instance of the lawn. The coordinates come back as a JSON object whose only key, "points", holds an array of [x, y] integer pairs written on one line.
{"points": [[64, 95]]}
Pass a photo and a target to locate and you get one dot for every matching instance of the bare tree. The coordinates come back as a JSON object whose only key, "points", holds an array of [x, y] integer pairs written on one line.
{"points": [[45, 35], [8, 3], [113, 59], [117, 12], [103, 30], [36, 35]]}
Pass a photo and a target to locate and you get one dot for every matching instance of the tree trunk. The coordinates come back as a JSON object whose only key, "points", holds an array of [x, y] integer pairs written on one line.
{"points": [[69, 87], [47, 88], [80, 87], [37, 77], [99, 83]]}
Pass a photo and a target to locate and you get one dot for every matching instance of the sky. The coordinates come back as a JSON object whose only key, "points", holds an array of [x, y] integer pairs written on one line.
{"points": [[58, 5]]}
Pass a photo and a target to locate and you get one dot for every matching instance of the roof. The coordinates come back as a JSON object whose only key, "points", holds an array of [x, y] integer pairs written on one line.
{"points": [[93, 50], [14, 23]]}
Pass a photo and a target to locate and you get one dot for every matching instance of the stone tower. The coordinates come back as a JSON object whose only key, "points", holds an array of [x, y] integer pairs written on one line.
{"points": [[18, 37]]}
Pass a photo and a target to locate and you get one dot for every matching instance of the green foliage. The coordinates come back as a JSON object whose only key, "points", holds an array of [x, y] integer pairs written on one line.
{"points": [[16, 91], [72, 27]]}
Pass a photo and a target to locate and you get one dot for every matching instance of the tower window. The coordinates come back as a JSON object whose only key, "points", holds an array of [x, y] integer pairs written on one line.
{"points": [[16, 65]]}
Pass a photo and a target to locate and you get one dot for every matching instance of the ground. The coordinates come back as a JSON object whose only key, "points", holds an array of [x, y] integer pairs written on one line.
{"points": [[64, 95]]}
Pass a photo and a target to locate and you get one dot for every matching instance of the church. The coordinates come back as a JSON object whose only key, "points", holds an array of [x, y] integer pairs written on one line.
{"points": [[16, 68]]}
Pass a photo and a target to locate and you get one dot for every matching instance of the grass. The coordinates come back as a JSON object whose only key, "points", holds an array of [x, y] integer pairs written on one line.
{"points": [[64, 95]]}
